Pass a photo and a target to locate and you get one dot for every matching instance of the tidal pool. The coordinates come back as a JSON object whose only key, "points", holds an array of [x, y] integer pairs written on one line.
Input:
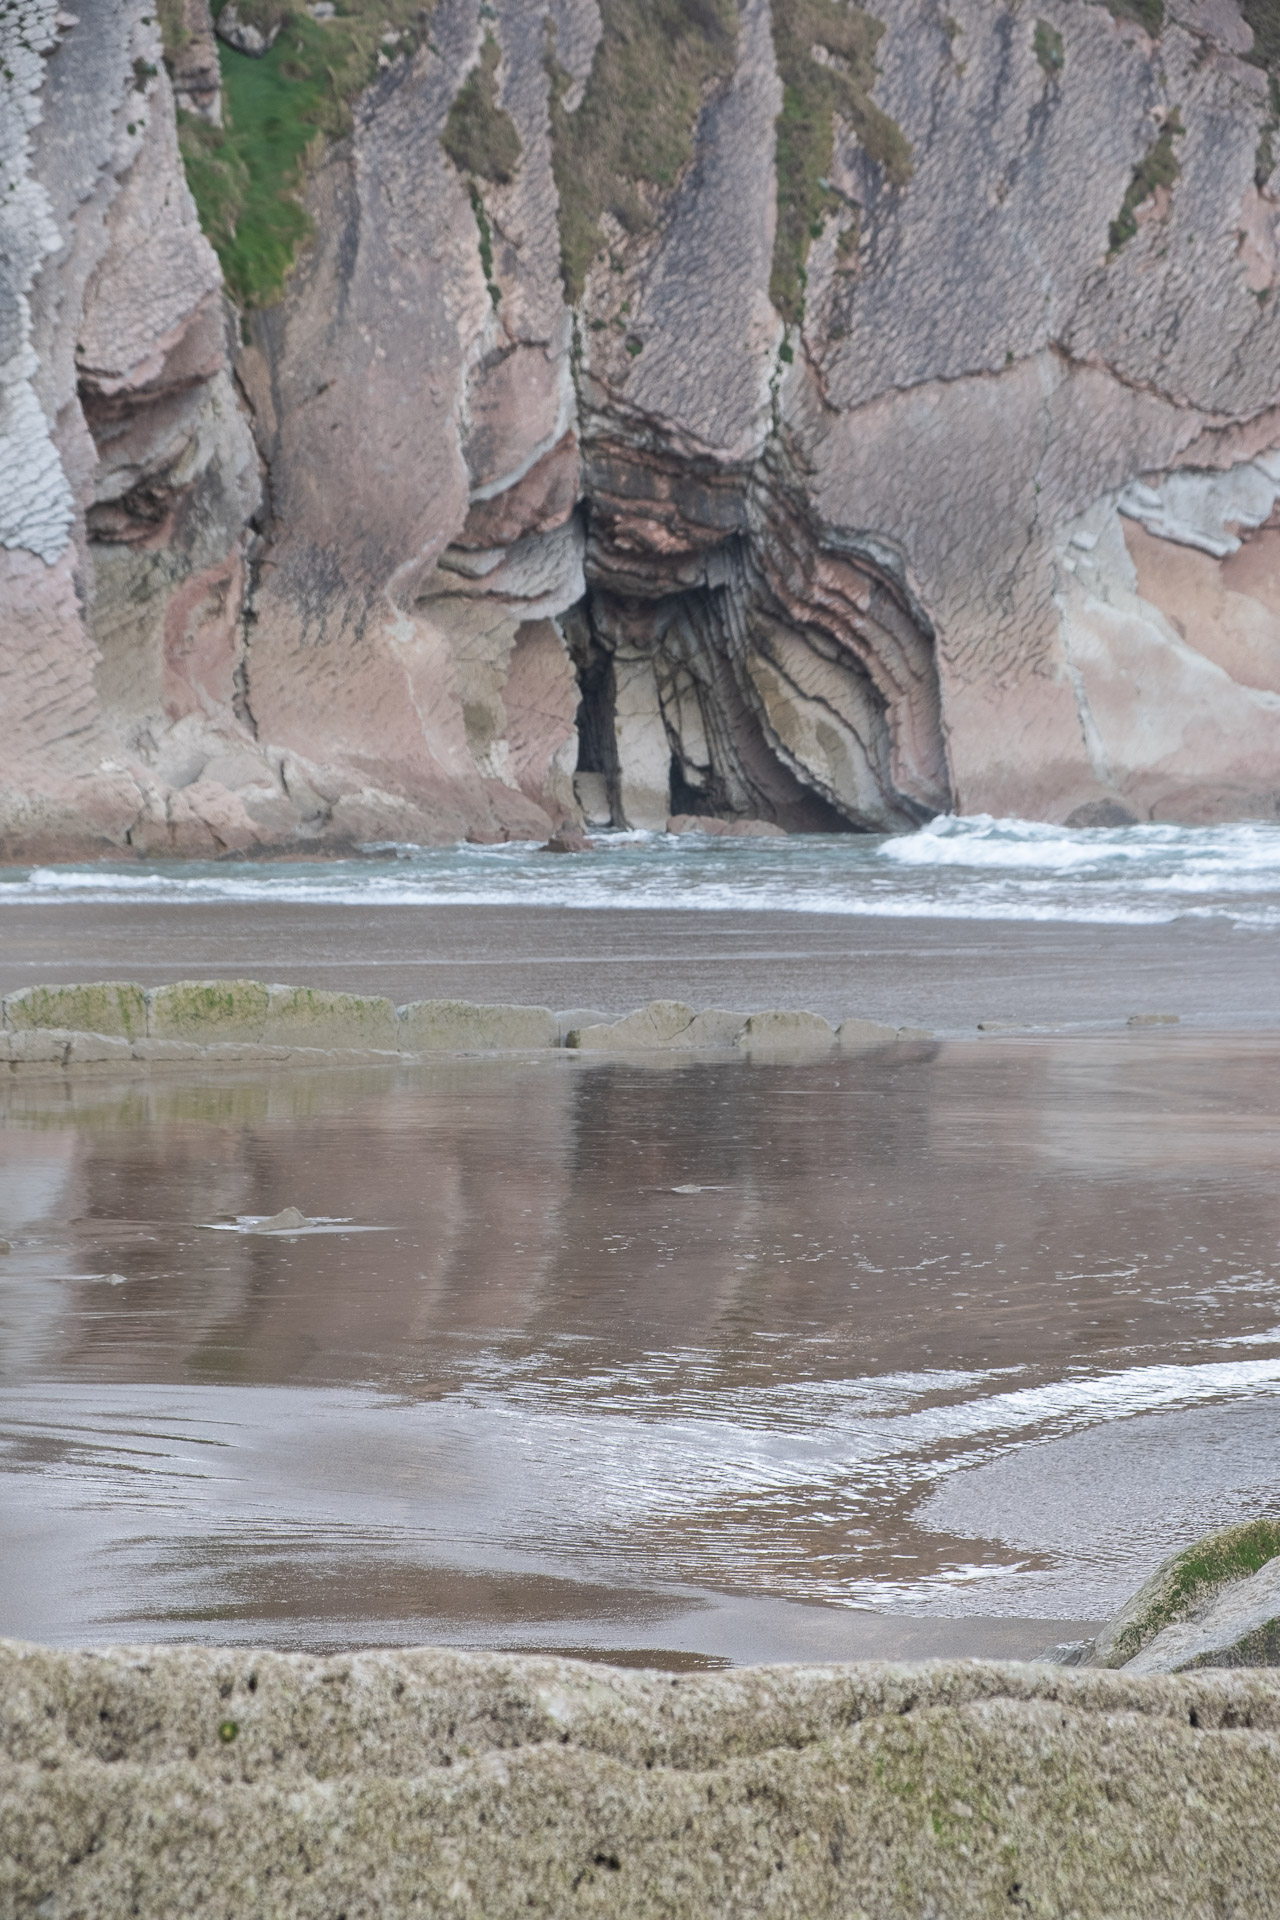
{"points": [[933, 1349]]}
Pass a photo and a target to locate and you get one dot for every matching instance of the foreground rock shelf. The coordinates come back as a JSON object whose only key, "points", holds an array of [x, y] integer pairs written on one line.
{"points": [[184, 1780], [117, 1024]]}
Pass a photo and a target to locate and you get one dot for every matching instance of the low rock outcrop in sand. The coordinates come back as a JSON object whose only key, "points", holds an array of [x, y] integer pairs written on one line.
{"points": [[935, 468], [240, 1022]]}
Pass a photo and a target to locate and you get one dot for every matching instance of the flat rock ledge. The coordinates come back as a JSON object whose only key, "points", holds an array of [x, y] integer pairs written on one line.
{"points": [[232, 1783], [118, 1025]]}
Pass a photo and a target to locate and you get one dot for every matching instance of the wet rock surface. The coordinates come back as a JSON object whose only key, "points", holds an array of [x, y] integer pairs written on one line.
{"points": [[234, 1021]]}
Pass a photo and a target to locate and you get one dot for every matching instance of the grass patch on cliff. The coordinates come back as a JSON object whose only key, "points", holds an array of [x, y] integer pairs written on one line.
{"points": [[1149, 14], [173, 26], [826, 59], [483, 142], [479, 136], [1158, 167], [1263, 17], [635, 123], [1047, 43], [278, 112]]}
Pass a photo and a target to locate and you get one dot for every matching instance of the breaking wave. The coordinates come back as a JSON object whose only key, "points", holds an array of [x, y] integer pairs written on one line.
{"points": [[954, 868]]}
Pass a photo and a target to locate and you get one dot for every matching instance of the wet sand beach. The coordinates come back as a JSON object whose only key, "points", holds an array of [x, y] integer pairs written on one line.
{"points": [[936, 1349], [942, 973]]}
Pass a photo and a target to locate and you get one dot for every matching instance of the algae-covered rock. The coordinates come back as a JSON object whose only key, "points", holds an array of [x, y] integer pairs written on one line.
{"points": [[210, 1012], [231, 1783], [459, 1026], [107, 1006], [786, 1032], [1240, 1627], [1184, 1588], [309, 1017]]}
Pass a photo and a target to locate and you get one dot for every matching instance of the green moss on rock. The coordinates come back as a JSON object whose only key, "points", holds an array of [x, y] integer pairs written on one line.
{"points": [[116, 1007], [633, 129], [210, 1012], [483, 142], [814, 91], [1047, 43], [480, 137], [310, 1017], [1157, 168], [1183, 1584], [279, 110], [1149, 14]]}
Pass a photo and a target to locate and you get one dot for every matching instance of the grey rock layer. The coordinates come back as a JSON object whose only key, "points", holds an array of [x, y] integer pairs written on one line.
{"points": [[994, 528], [232, 1783], [230, 1022], [1215, 1603], [1239, 1628]]}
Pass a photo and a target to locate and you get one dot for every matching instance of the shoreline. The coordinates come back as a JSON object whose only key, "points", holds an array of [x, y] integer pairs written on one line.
{"points": [[946, 975]]}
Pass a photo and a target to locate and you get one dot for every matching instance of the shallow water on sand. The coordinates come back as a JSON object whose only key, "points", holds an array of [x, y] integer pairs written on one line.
{"points": [[939, 1348]]}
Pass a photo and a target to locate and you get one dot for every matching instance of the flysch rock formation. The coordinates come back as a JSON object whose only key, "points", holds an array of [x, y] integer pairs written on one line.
{"points": [[232, 1782], [980, 515], [117, 1025]]}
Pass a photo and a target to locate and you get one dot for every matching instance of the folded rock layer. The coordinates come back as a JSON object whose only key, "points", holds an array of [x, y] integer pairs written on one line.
{"points": [[911, 440]]}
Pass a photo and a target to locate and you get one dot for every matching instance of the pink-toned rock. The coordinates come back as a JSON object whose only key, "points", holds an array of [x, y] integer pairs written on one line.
{"points": [[972, 533], [724, 829]]}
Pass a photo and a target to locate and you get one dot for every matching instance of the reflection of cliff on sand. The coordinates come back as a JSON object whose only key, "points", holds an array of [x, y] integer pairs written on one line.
{"points": [[621, 1326]]}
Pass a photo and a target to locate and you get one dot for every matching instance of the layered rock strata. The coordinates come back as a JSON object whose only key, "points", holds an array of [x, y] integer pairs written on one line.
{"points": [[178, 1780], [973, 506], [117, 1024]]}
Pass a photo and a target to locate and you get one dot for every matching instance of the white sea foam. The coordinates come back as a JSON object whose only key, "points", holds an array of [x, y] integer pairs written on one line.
{"points": [[954, 868]]}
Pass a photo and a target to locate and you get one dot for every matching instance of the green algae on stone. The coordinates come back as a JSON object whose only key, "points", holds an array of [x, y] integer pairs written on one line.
{"points": [[1157, 168], [1184, 1583], [633, 129], [311, 1017], [210, 1012], [814, 91], [279, 110], [114, 1007]]}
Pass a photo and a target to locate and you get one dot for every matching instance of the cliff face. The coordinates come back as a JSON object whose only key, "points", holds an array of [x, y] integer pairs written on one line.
{"points": [[910, 442]]}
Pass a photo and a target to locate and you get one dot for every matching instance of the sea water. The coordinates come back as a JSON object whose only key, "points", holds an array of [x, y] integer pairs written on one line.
{"points": [[975, 868]]}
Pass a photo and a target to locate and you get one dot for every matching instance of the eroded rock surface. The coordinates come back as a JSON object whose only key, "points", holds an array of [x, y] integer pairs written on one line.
{"points": [[229, 1782], [988, 522]]}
